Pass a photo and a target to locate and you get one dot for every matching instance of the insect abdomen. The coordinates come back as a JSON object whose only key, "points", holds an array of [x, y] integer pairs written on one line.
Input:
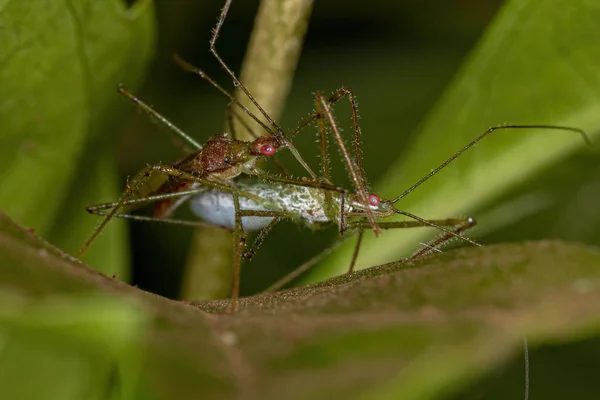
{"points": [[216, 207]]}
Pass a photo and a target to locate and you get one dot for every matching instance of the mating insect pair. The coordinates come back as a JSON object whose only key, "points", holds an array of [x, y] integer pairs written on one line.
{"points": [[206, 178]]}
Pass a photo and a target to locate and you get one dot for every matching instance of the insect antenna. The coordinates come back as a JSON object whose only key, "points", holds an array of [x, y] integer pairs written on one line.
{"points": [[484, 134], [280, 135], [157, 117], [186, 66], [436, 244], [441, 228]]}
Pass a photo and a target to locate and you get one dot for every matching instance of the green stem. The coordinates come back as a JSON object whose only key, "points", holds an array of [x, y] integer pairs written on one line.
{"points": [[273, 53]]}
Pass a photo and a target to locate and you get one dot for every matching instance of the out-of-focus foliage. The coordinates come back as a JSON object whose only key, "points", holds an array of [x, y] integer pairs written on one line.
{"points": [[59, 66]]}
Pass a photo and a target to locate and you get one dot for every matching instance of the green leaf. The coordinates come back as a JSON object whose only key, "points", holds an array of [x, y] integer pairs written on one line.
{"points": [[416, 331], [536, 64], [67, 346], [58, 63], [96, 180]]}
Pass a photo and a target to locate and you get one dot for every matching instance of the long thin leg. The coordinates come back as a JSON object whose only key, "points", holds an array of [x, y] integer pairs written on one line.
{"points": [[229, 123], [323, 142], [360, 173], [357, 132], [155, 116], [265, 176], [238, 243], [306, 121], [277, 215], [442, 240], [231, 115], [356, 249], [316, 116], [260, 238], [266, 214], [99, 209], [213, 40], [354, 226], [186, 66], [141, 179], [441, 228], [132, 187], [459, 224], [357, 180], [138, 202], [326, 163], [484, 134], [168, 221], [305, 267]]}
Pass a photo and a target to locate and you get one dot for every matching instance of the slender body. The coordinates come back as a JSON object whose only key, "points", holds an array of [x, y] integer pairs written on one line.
{"points": [[309, 206]]}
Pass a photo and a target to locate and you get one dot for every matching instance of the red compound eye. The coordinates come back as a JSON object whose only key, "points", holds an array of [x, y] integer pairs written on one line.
{"points": [[374, 200], [267, 150]]}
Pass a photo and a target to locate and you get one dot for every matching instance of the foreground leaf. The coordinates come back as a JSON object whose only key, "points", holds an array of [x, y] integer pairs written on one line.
{"points": [[60, 63], [395, 331]]}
